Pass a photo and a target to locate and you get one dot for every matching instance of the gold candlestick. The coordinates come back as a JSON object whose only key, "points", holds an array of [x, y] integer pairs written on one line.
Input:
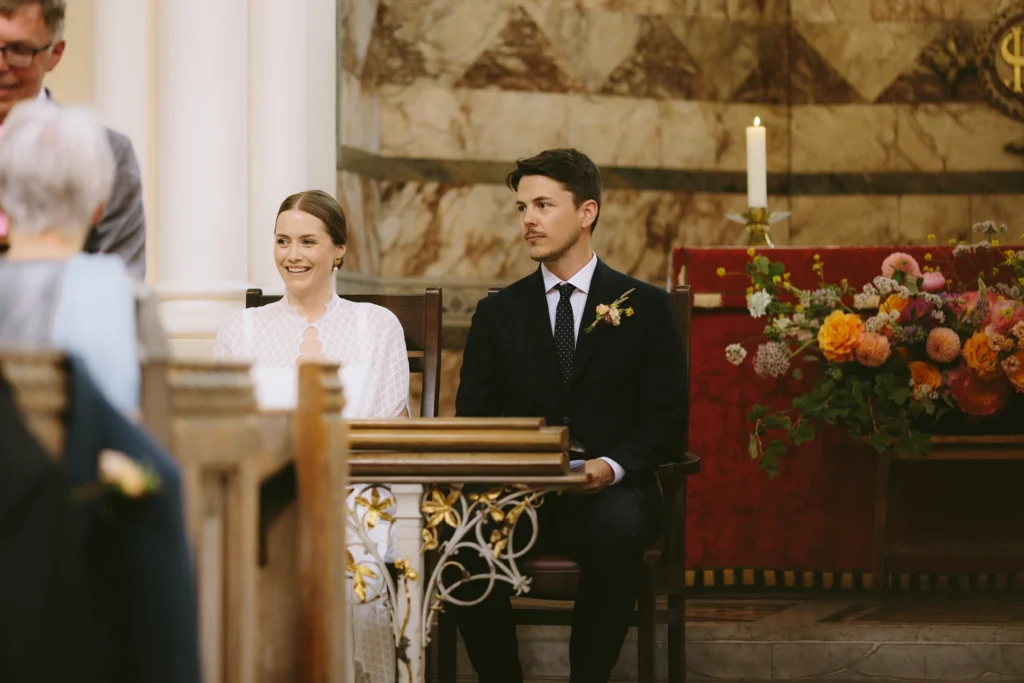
{"points": [[758, 221]]}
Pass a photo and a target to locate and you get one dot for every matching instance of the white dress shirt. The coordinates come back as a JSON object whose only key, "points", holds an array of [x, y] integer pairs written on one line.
{"points": [[578, 299]]}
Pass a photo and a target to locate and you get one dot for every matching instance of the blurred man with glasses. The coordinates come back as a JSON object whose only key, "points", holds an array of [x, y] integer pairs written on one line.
{"points": [[31, 45]]}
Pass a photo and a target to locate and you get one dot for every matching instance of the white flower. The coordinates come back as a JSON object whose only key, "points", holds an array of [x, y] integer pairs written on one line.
{"points": [[615, 315], [757, 303], [876, 323], [884, 284], [772, 359], [894, 315], [863, 301], [939, 315], [799, 318], [961, 249], [782, 323], [735, 354], [869, 290]]}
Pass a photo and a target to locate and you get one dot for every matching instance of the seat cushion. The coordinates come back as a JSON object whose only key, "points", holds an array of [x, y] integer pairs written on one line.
{"points": [[552, 576], [549, 563]]}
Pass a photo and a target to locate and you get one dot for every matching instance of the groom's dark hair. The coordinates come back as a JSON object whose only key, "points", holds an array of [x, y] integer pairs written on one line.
{"points": [[574, 169]]}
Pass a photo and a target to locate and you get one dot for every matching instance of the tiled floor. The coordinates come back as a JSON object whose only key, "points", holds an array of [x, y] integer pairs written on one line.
{"points": [[849, 640], [917, 611]]}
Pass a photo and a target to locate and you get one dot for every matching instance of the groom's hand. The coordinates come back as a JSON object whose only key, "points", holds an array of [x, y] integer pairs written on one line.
{"points": [[599, 475]]}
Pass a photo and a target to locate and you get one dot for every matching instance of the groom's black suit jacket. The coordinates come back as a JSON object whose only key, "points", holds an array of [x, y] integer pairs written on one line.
{"points": [[625, 399]]}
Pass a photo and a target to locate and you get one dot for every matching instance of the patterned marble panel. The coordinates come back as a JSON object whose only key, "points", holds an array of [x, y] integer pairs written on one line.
{"points": [[1001, 208], [616, 131], [521, 57], [945, 217], [659, 67], [851, 219], [435, 122], [811, 78], [893, 10], [869, 55], [472, 232], [770, 81], [357, 22], [453, 33], [503, 125], [739, 10], [359, 115], [393, 55], [944, 71], [360, 199], [592, 42], [706, 135], [956, 137], [451, 363], [726, 52], [844, 138], [422, 121], [447, 231]]}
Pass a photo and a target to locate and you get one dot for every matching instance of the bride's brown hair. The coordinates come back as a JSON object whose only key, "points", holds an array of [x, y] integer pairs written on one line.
{"points": [[324, 208]]}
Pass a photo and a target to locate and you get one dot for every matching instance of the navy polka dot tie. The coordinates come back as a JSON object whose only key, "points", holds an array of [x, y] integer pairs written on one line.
{"points": [[565, 339]]}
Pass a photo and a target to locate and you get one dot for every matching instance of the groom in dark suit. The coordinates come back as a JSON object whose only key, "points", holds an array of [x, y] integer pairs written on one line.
{"points": [[552, 345]]}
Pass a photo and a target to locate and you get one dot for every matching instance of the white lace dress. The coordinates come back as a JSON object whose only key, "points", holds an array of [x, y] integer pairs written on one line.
{"points": [[368, 343]]}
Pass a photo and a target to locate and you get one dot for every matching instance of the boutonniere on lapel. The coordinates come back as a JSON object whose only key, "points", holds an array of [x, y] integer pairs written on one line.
{"points": [[120, 475], [611, 313]]}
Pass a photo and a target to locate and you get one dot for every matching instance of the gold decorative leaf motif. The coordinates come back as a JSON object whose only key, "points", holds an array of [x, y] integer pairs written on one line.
{"points": [[359, 575], [430, 540], [376, 509], [440, 508]]}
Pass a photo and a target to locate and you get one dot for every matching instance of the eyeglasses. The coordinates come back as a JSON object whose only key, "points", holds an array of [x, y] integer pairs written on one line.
{"points": [[20, 55]]}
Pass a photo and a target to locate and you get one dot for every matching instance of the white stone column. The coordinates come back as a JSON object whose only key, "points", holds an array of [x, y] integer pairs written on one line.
{"points": [[292, 120], [202, 166], [123, 61]]}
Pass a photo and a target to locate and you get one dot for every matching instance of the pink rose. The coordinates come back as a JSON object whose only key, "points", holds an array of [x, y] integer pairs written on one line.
{"points": [[933, 282], [900, 261], [977, 396]]}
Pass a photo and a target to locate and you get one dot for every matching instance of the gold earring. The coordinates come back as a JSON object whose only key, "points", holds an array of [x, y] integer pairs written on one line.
{"points": [[337, 263]]}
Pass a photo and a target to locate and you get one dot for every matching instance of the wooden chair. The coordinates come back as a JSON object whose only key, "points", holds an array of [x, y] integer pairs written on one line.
{"points": [[420, 315], [556, 577]]}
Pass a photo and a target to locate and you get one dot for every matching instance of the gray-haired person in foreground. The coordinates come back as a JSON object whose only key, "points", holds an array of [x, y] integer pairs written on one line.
{"points": [[56, 171], [31, 45]]}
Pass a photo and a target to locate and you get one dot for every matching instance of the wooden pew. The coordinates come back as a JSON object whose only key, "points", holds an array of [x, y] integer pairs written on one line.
{"points": [[39, 383], [268, 607]]}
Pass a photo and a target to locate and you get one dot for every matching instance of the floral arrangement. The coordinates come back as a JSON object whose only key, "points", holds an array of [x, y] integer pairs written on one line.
{"points": [[892, 358]]}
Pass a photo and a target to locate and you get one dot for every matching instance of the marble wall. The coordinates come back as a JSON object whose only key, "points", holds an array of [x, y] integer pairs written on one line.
{"points": [[879, 131]]}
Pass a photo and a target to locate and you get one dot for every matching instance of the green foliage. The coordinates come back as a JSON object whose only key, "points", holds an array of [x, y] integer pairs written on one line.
{"points": [[874, 408]]}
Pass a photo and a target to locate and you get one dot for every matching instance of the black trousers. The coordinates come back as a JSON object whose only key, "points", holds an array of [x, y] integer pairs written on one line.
{"points": [[606, 534]]}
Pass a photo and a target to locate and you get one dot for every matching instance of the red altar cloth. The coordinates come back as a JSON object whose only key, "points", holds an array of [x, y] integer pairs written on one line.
{"points": [[818, 514]]}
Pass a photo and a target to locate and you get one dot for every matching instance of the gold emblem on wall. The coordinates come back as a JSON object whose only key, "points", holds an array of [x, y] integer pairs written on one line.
{"points": [[1001, 70]]}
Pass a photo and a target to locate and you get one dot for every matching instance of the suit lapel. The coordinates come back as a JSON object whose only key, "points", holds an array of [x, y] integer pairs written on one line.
{"points": [[602, 291], [540, 340]]}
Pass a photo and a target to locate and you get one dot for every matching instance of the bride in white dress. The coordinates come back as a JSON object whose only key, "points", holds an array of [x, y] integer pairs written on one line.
{"points": [[312, 324]]}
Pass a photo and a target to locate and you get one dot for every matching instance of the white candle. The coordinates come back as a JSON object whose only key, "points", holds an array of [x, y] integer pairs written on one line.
{"points": [[757, 166]]}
